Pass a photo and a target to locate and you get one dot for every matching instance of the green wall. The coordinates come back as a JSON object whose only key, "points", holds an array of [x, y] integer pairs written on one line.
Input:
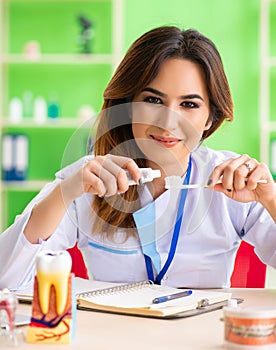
{"points": [[55, 26], [234, 28], [232, 25]]}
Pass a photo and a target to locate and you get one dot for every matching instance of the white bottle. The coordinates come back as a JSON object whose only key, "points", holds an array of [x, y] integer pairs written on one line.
{"points": [[15, 110], [40, 110]]}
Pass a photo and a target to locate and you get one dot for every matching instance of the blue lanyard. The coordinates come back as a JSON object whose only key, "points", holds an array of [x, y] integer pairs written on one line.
{"points": [[175, 236]]}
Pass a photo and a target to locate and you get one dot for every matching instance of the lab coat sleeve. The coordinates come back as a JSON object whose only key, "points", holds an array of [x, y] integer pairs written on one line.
{"points": [[260, 231], [18, 255]]}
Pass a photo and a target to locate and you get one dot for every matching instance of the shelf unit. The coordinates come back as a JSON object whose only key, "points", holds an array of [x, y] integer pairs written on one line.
{"points": [[267, 72], [85, 70], [267, 105]]}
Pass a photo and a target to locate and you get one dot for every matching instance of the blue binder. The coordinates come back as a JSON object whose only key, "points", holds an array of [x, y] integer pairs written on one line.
{"points": [[15, 157]]}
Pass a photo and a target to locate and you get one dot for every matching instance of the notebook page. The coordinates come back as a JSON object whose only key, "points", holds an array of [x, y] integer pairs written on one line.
{"points": [[133, 298]]}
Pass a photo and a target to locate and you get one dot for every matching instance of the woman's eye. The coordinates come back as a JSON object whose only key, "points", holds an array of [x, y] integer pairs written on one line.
{"points": [[152, 99], [189, 104]]}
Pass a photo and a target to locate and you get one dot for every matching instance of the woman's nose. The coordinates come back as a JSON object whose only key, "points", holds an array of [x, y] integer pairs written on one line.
{"points": [[168, 119]]}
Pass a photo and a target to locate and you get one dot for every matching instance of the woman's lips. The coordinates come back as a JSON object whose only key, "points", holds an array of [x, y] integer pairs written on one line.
{"points": [[167, 142]]}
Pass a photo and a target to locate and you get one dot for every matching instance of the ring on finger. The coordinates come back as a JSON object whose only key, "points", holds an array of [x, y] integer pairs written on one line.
{"points": [[248, 166]]}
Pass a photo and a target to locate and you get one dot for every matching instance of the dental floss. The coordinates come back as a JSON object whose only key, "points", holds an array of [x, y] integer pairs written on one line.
{"points": [[147, 175]]}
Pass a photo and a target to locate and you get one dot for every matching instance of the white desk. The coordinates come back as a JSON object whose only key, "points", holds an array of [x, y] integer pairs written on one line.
{"points": [[97, 331]]}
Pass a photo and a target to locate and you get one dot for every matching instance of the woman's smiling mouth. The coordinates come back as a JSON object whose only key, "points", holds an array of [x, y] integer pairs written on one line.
{"points": [[167, 142]]}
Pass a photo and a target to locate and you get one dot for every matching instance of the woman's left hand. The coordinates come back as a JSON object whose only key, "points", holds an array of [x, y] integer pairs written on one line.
{"points": [[244, 179]]}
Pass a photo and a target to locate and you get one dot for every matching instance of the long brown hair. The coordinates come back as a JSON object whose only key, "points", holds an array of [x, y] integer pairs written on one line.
{"points": [[138, 68]]}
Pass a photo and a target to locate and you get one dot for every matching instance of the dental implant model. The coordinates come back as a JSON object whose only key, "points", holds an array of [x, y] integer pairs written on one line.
{"points": [[8, 332], [53, 306]]}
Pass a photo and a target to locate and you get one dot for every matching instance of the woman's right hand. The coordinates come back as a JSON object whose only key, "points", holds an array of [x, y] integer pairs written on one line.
{"points": [[103, 176]]}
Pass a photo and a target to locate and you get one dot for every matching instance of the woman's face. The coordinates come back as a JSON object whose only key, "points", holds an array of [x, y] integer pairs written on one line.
{"points": [[172, 113]]}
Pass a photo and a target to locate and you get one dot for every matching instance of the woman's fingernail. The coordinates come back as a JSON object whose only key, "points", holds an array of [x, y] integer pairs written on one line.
{"points": [[228, 190], [209, 183]]}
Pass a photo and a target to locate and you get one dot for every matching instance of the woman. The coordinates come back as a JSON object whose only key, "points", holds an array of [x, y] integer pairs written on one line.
{"points": [[168, 94]]}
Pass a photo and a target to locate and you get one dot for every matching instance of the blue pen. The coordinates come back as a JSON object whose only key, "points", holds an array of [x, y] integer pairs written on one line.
{"points": [[164, 298]]}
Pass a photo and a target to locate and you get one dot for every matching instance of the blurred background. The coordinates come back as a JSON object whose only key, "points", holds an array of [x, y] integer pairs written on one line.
{"points": [[57, 56]]}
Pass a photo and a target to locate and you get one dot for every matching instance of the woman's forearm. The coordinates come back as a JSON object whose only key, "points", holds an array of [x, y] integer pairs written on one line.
{"points": [[46, 216], [271, 208]]}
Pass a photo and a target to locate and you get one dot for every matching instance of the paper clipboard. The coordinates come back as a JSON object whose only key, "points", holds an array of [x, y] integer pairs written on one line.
{"points": [[204, 308]]}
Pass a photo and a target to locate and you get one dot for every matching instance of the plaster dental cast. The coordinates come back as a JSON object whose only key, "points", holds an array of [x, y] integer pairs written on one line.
{"points": [[167, 96]]}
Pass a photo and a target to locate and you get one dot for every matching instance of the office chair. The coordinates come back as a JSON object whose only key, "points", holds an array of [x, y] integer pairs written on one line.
{"points": [[78, 265], [249, 271]]}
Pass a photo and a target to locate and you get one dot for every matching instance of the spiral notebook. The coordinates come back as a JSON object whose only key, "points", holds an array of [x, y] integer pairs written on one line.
{"points": [[137, 299]]}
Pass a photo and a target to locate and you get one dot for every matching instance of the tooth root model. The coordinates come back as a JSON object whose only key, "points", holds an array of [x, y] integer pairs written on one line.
{"points": [[54, 303]]}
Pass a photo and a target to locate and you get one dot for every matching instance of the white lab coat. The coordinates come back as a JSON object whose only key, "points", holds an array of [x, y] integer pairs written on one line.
{"points": [[210, 234]]}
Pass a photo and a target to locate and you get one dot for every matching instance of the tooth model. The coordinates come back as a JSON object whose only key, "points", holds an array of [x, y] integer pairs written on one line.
{"points": [[53, 269], [53, 304]]}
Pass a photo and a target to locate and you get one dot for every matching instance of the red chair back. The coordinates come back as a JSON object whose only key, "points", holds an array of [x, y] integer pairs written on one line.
{"points": [[249, 271], [78, 265]]}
